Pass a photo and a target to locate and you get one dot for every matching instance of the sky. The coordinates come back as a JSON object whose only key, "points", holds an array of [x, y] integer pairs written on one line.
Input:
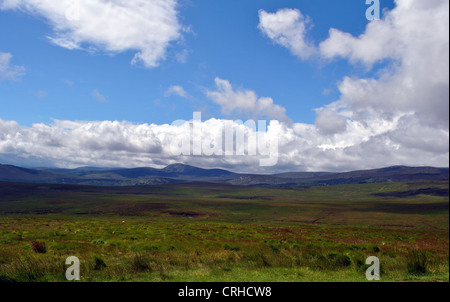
{"points": [[100, 83]]}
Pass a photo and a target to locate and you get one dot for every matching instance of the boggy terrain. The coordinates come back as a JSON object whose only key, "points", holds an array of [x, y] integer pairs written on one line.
{"points": [[219, 232]]}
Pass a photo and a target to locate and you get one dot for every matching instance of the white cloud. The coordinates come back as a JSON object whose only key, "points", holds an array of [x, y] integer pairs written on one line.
{"points": [[288, 28], [405, 29], [8, 71], [99, 97], [176, 90], [301, 146], [245, 102], [114, 26], [415, 38], [112, 143], [399, 116], [411, 41]]}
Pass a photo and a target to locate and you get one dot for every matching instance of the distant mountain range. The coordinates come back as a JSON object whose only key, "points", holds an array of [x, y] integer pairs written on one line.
{"points": [[179, 173]]}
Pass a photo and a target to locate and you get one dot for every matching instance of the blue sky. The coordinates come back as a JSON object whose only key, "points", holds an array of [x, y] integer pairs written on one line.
{"points": [[224, 42], [349, 93]]}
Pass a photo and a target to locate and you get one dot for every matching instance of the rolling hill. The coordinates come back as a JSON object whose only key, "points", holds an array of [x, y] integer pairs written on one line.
{"points": [[179, 173]]}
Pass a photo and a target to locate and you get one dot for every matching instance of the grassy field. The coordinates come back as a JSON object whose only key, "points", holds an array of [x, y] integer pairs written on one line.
{"points": [[204, 232]]}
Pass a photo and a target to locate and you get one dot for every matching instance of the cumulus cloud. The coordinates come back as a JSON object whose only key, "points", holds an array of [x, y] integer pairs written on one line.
{"points": [[112, 143], [146, 27], [288, 28], [411, 42], [401, 115], [300, 146], [7, 70], [245, 102], [414, 38]]}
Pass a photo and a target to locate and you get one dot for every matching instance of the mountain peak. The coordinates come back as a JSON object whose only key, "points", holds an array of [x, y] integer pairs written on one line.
{"points": [[178, 168]]}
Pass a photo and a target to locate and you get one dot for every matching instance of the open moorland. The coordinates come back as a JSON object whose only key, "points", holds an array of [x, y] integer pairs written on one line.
{"points": [[220, 232]]}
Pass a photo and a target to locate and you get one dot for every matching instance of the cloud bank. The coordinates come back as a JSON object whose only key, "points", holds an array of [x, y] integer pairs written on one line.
{"points": [[300, 146]]}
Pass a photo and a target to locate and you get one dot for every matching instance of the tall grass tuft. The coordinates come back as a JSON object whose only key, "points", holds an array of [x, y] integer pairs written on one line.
{"points": [[39, 247], [340, 260], [98, 263], [28, 269], [140, 264], [417, 263]]}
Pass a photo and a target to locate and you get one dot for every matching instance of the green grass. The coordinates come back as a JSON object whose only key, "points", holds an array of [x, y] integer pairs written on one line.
{"points": [[222, 233]]}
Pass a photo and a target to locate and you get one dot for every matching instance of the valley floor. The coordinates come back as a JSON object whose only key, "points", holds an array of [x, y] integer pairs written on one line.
{"points": [[218, 234]]}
